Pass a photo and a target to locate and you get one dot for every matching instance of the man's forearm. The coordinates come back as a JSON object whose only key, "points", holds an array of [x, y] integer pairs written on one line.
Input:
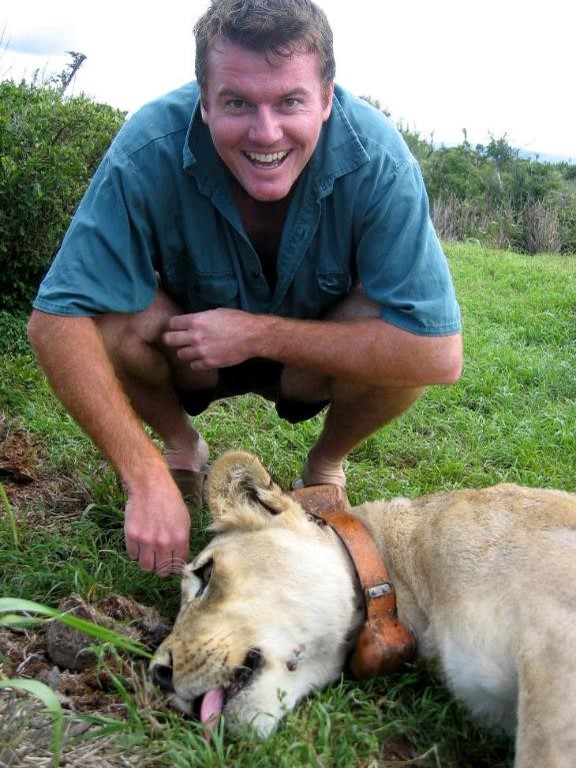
{"points": [[368, 351], [371, 351], [74, 359]]}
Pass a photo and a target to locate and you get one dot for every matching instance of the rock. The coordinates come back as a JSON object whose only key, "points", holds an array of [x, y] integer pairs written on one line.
{"points": [[67, 647]]}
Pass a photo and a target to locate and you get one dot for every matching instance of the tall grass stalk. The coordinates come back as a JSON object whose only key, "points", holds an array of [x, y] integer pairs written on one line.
{"points": [[11, 517]]}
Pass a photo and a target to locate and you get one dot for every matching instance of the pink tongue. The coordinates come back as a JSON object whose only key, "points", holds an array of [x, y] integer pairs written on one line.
{"points": [[211, 707]]}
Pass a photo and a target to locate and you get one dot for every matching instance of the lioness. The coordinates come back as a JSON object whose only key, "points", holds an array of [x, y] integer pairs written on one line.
{"points": [[485, 579]]}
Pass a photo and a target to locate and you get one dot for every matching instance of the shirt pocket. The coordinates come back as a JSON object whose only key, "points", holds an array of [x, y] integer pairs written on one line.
{"points": [[334, 284], [212, 290], [327, 287]]}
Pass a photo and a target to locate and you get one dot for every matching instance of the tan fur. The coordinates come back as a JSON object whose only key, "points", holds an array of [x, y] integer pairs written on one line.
{"points": [[485, 578]]}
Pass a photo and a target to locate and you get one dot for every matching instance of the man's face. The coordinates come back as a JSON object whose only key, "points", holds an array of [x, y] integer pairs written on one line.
{"points": [[265, 113]]}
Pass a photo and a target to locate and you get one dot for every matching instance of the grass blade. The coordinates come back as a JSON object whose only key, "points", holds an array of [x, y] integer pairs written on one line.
{"points": [[10, 515], [50, 701], [12, 605]]}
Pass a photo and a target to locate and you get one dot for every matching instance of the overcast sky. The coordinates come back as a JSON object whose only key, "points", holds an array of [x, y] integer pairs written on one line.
{"points": [[496, 67]]}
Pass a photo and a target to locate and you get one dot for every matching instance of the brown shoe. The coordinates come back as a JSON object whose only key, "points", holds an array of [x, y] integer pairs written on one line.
{"points": [[191, 485]]}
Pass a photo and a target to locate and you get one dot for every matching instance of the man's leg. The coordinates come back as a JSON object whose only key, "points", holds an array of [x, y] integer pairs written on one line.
{"points": [[353, 416], [149, 373], [355, 411]]}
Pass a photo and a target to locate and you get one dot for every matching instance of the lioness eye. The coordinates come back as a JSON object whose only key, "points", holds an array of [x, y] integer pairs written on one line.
{"points": [[203, 574]]}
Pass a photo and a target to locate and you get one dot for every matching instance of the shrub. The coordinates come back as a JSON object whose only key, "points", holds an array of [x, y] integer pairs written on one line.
{"points": [[566, 208], [49, 147], [457, 172], [542, 231], [13, 338], [489, 222]]}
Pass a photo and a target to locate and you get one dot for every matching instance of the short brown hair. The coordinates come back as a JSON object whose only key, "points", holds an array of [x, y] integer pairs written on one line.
{"points": [[281, 27]]}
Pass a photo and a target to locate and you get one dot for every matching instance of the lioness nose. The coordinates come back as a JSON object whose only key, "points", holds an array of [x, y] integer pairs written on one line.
{"points": [[162, 676]]}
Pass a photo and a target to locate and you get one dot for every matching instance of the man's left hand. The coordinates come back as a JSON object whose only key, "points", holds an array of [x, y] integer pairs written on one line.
{"points": [[216, 338]]}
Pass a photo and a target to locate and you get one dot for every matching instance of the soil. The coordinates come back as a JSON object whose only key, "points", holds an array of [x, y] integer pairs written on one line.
{"points": [[56, 654], [85, 684], [27, 485]]}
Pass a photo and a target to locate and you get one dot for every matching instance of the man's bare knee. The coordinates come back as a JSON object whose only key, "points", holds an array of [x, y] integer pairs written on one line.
{"points": [[146, 326], [134, 341], [389, 402], [140, 358], [356, 306]]}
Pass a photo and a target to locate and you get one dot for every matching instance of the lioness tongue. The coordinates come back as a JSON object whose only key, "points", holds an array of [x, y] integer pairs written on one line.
{"points": [[211, 707]]}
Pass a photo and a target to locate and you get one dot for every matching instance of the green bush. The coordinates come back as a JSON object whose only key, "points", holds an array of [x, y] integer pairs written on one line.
{"points": [[491, 195], [566, 208], [13, 338], [457, 172], [49, 147], [528, 182]]}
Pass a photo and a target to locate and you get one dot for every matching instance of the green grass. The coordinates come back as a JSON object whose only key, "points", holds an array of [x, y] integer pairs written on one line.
{"points": [[511, 417]]}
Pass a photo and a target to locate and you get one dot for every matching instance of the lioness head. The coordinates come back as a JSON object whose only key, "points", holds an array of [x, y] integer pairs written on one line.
{"points": [[268, 607]]}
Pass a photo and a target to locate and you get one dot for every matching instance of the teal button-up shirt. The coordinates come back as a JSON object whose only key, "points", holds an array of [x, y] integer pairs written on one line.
{"points": [[160, 208]]}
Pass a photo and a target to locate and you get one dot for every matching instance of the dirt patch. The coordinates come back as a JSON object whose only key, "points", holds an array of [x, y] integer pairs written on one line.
{"points": [[90, 688], [68, 648], [19, 459], [30, 491], [62, 657], [86, 685]]}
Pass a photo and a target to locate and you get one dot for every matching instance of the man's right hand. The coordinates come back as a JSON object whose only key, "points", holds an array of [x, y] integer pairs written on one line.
{"points": [[72, 353], [157, 528]]}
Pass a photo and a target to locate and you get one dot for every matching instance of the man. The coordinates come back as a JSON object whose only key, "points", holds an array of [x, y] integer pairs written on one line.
{"points": [[259, 230]]}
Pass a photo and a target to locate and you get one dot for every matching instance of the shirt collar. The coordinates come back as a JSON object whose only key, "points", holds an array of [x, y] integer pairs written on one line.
{"points": [[339, 150]]}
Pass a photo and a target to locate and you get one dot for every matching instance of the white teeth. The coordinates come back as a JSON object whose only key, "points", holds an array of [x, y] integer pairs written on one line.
{"points": [[270, 158]]}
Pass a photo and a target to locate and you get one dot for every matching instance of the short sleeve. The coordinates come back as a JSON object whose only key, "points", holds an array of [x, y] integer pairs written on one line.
{"points": [[106, 260], [400, 260]]}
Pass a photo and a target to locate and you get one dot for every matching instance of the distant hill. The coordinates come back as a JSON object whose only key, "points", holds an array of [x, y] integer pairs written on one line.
{"points": [[542, 157], [525, 154]]}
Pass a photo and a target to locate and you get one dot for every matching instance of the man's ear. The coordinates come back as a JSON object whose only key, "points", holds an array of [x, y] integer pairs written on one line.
{"points": [[328, 97], [241, 493], [203, 108]]}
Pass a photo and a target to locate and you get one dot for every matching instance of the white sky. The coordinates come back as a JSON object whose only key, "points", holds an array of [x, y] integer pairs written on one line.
{"points": [[496, 67]]}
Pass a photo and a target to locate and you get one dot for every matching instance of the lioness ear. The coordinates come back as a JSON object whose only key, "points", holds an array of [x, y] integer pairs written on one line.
{"points": [[241, 493]]}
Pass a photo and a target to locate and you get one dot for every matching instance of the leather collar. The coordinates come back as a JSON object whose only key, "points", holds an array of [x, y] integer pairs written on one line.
{"points": [[383, 643]]}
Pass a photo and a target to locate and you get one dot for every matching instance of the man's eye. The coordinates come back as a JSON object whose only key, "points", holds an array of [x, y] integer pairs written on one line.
{"points": [[236, 104]]}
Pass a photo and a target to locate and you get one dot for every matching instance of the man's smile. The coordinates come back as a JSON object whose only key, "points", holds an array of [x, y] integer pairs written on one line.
{"points": [[267, 160]]}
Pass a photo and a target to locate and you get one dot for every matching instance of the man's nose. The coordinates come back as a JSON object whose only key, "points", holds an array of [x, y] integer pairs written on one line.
{"points": [[266, 128]]}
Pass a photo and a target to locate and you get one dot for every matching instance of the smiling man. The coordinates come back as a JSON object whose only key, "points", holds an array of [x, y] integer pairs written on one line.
{"points": [[258, 230]]}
